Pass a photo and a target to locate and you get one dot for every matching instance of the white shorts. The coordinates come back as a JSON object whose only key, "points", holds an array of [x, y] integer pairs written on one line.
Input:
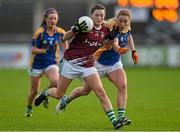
{"points": [[104, 70], [72, 71], [38, 72]]}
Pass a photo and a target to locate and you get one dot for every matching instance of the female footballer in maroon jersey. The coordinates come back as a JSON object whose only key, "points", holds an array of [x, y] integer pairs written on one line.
{"points": [[79, 62], [109, 65]]}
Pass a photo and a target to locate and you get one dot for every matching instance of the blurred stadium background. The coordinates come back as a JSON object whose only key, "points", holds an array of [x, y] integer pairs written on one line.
{"points": [[154, 84], [155, 27]]}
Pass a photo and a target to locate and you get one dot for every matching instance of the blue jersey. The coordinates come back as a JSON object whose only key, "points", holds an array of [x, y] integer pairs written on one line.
{"points": [[110, 57], [41, 40]]}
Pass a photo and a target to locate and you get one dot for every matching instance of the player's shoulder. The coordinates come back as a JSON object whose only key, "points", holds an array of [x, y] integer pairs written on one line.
{"points": [[104, 28], [125, 33], [128, 33], [60, 30], [111, 23], [38, 32]]}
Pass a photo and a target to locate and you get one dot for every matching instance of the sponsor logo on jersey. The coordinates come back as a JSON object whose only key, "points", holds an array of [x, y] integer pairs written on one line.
{"points": [[92, 43], [44, 42]]}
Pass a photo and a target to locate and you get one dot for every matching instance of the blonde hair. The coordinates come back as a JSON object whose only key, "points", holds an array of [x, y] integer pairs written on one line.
{"points": [[113, 21]]}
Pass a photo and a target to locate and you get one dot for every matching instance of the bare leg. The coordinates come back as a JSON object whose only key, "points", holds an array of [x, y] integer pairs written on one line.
{"points": [[76, 93], [118, 78], [54, 92], [53, 76], [79, 91], [35, 82], [94, 82], [62, 86]]}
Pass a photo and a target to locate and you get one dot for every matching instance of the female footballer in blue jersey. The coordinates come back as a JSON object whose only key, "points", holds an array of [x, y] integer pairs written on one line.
{"points": [[109, 64], [45, 55]]}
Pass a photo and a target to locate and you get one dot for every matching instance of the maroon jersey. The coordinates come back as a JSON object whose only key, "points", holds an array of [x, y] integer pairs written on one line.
{"points": [[84, 45]]}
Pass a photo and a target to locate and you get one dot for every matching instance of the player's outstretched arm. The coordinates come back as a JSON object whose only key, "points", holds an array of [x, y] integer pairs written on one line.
{"points": [[117, 48], [133, 49], [68, 35], [78, 27]]}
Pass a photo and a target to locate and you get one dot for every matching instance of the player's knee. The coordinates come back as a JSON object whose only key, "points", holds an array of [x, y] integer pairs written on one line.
{"points": [[53, 83], [122, 87], [59, 95]]}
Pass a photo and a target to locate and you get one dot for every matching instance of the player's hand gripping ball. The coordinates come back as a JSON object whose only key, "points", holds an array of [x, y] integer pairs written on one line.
{"points": [[84, 24], [88, 21]]}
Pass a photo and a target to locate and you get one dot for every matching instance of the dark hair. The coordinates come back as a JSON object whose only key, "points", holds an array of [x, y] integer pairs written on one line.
{"points": [[46, 14], [97, 7]]}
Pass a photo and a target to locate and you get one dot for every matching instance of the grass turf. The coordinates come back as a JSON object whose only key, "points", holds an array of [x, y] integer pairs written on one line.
{"points": [[153, 104]]}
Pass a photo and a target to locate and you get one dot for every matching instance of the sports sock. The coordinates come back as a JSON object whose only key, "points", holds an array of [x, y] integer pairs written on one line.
{"points": [[29, 107], [68, 99], [111, 115], [46, 92], [121, 113]]}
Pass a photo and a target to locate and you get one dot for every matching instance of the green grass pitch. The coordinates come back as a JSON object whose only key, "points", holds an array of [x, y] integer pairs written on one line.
{"points": [[153, 104]]}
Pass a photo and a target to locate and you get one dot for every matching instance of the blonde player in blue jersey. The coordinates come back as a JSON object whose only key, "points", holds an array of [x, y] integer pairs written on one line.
{"points": [[45, 55], [109, 64]]}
